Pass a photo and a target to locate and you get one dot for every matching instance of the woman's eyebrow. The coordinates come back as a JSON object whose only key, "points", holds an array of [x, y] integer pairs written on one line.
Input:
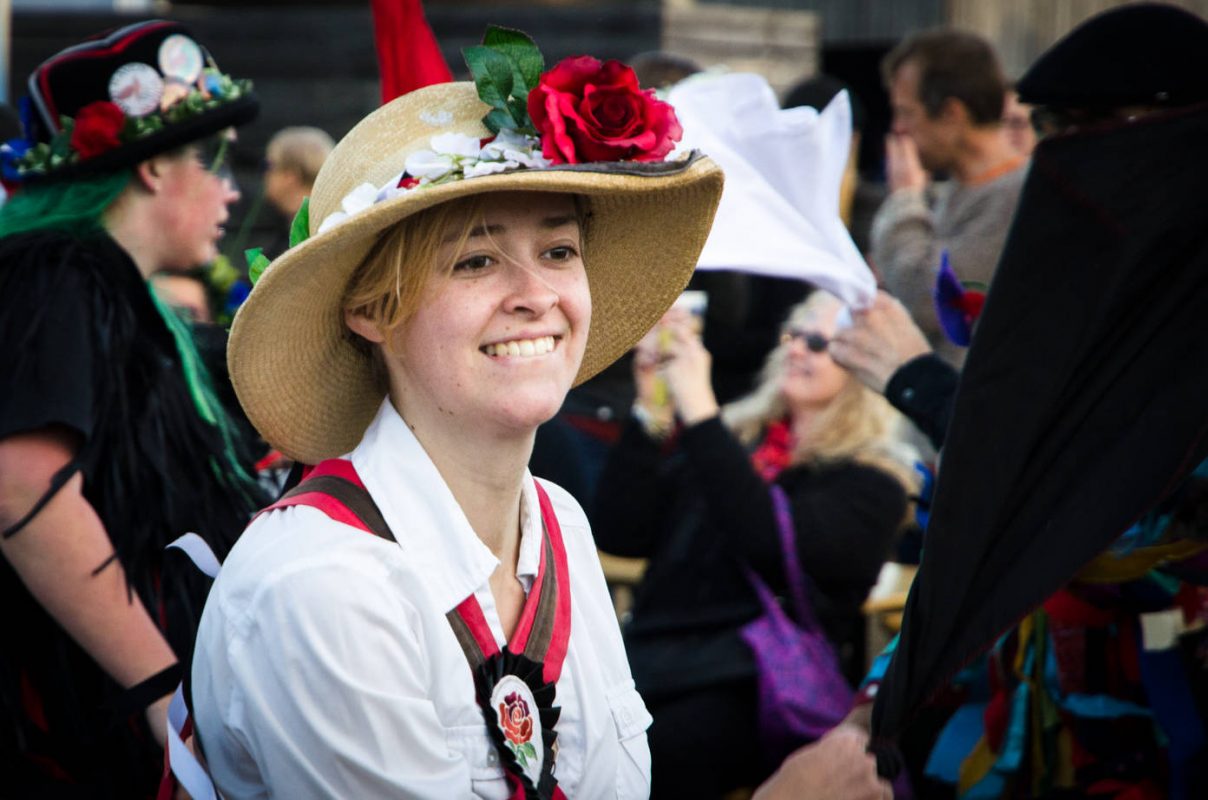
{"points": [[477, 230], [548, 223]]}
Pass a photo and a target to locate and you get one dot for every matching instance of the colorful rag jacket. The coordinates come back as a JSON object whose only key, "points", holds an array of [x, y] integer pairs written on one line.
{"points": [[1103, 690]]}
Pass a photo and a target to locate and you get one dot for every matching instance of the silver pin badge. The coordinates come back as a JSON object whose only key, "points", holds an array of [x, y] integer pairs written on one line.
{"points": [[180, 58], [136, 88]]}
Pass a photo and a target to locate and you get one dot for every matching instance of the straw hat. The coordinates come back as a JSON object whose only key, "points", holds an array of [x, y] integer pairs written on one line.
{"points": [[311, 393]]}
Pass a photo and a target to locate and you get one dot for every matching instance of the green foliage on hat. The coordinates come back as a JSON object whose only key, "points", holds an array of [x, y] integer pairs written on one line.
{"points": [[257, 261], [506, 66], [299, 229]]}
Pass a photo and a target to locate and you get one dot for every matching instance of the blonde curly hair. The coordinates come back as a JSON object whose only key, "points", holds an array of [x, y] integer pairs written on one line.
{"points": [[857, 425]]}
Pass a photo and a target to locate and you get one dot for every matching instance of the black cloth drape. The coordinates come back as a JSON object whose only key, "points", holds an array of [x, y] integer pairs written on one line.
{"points": [[1084, 399]]}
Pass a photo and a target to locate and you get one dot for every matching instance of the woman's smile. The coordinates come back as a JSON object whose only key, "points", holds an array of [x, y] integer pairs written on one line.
{"points": [[522, 347]]}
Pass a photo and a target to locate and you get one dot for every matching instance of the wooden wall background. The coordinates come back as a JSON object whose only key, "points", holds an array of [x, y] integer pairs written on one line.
{"points": [[1023, 29]]}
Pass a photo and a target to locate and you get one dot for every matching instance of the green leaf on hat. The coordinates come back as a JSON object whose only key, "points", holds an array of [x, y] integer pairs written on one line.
{"points": [[256, 263], [506, 66], [299, 229], [518, 110], [498, 119], [492, 74], [60, 144], [522, 51]]}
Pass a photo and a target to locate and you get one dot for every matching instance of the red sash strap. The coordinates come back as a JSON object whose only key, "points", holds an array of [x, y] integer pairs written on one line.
{"points": [[543, 632]]}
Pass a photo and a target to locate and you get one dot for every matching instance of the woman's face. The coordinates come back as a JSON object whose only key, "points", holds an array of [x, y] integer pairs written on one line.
{"points": [[191, 205], [496, 343], [811, 379]]}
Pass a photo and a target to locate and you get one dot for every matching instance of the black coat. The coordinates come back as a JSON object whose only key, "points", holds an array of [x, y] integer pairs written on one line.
{"points": [[698, 514], [1084, 399]]}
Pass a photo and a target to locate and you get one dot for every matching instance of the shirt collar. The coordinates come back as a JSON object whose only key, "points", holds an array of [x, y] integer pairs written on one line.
{"points": [[531, 528], [430, 526]]}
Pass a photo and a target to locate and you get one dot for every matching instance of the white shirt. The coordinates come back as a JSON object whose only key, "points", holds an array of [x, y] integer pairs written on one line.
{"points": [[325, 666]]}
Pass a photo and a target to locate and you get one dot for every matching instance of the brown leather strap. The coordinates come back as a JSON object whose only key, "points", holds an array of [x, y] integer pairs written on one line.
{"points": [[351, 496], [465, 638]]}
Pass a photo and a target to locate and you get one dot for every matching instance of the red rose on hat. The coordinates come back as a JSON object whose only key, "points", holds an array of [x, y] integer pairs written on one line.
{"points": [[514, 718], [97, 127], [586, 110]]}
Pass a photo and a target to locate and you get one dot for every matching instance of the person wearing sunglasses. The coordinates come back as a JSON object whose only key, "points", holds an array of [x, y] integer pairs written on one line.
{"points": [[112, 440], [683, 490]]}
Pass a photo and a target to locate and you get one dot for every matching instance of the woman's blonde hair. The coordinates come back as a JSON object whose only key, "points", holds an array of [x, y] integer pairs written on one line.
{"points": [[387, 286], [858, 424]]}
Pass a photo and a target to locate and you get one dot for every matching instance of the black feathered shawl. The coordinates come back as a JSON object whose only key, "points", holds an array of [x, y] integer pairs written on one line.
{"points": [[82, 345], [1084, 399]]}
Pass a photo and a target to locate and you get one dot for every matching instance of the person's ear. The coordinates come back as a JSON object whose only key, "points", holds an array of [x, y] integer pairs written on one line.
{"points": [[149, 174], [954, 111], [364, 327]]}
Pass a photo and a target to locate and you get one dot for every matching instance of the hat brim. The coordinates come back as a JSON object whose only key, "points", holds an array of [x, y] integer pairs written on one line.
{"points": [[311, 393], [228, 115]]}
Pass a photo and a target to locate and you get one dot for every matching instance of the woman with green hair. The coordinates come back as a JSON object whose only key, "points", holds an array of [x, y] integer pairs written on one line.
{"points": [[112, 443]]}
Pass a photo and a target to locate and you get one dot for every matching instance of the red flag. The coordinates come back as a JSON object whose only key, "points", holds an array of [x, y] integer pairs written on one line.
{"points": [[408, 55]]}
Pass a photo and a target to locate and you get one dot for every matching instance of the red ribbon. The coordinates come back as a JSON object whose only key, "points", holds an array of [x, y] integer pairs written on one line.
{"points": [[408, 56]]}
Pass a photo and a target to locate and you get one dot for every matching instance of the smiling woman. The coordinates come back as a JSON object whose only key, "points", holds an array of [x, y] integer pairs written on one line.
{"points": [[455, 286]]}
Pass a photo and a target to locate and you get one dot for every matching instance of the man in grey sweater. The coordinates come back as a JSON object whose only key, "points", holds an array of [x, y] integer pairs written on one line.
{"points": [[947, 93]]}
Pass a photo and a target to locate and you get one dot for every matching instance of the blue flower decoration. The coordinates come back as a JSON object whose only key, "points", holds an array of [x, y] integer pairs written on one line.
{"points": [[956, 306], [11, 152], [238, 292]]}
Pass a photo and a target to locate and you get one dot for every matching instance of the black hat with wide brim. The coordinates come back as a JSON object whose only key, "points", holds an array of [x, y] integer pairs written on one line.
{"points": [[85, 74], [1138, 54]]}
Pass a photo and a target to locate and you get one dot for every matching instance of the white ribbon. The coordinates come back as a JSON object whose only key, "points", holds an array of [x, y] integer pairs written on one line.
{"points": [[199, 553], [185, 766]]}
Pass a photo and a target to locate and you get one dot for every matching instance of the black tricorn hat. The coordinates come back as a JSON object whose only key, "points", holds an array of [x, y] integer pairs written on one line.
{"points": [[1139, 54], [152, 84]]}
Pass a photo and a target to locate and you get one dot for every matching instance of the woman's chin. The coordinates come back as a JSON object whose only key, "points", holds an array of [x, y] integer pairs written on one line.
{"points": [[526, 416]]}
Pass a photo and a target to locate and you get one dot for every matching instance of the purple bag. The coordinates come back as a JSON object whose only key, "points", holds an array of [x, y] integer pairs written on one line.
{"points": [[802, 693]]}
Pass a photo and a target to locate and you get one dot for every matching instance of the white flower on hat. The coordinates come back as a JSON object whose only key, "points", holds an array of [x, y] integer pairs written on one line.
{"points": [[480, 168], [456, 144], [512, 146], [448, 151], [428, 165], [356, 201], [451, 157]]}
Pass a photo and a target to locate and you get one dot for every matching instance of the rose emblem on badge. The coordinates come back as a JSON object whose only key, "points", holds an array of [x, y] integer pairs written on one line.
{"points": [[513, 701], [516, 720]]}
